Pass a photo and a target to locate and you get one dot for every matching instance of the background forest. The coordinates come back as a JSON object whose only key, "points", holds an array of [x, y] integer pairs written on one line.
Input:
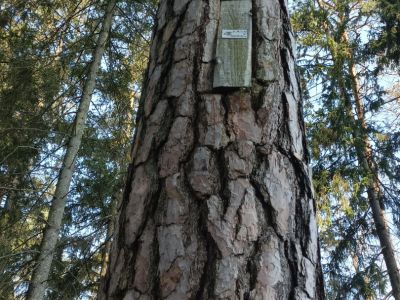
{"points": [[55, 56]]}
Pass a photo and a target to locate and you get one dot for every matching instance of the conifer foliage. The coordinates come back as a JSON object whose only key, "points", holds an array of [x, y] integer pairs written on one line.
{"points": [[347, 59], [45, 54]]}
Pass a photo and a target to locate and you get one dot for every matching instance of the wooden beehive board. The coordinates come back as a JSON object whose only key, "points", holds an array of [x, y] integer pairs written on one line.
{"points": [[233, 54]]}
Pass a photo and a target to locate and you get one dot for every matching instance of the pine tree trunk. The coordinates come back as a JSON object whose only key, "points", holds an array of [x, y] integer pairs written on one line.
{"points": [[218, 203], [41, 273]]}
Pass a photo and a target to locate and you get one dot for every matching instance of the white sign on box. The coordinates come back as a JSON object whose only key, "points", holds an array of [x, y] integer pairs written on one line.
{"points": [[234, 34]]}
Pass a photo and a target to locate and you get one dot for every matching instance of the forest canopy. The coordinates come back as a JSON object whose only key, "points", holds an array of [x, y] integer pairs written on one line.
{"points": [[71, 77]]}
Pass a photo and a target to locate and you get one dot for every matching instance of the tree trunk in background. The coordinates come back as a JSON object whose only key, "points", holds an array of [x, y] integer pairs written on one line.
{"points": [[218, 202], [40, 275], [110, 231], [9, 203], [367, 161], [123, 162]]}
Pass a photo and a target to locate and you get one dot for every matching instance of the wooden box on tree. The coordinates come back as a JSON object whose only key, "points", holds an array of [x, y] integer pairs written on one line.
{"points": [[233, 54]]}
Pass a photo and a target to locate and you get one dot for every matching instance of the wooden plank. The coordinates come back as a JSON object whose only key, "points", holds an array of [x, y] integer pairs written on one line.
{"points": [[233, 55]]}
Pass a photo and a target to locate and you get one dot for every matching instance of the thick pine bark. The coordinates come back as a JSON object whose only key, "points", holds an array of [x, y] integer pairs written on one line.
{"points": [[42, 269], [218, 203]]}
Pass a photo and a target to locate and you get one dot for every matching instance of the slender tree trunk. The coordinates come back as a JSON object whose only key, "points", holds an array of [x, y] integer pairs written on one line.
{"points": [[366, 159], [364, 154], [107, 247], [218, 202], [9, 203], [40, 275], [123, 162]]}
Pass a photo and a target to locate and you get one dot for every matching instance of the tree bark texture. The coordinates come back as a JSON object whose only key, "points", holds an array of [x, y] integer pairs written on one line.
{"points": [[40, 275], [218, 202]]}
